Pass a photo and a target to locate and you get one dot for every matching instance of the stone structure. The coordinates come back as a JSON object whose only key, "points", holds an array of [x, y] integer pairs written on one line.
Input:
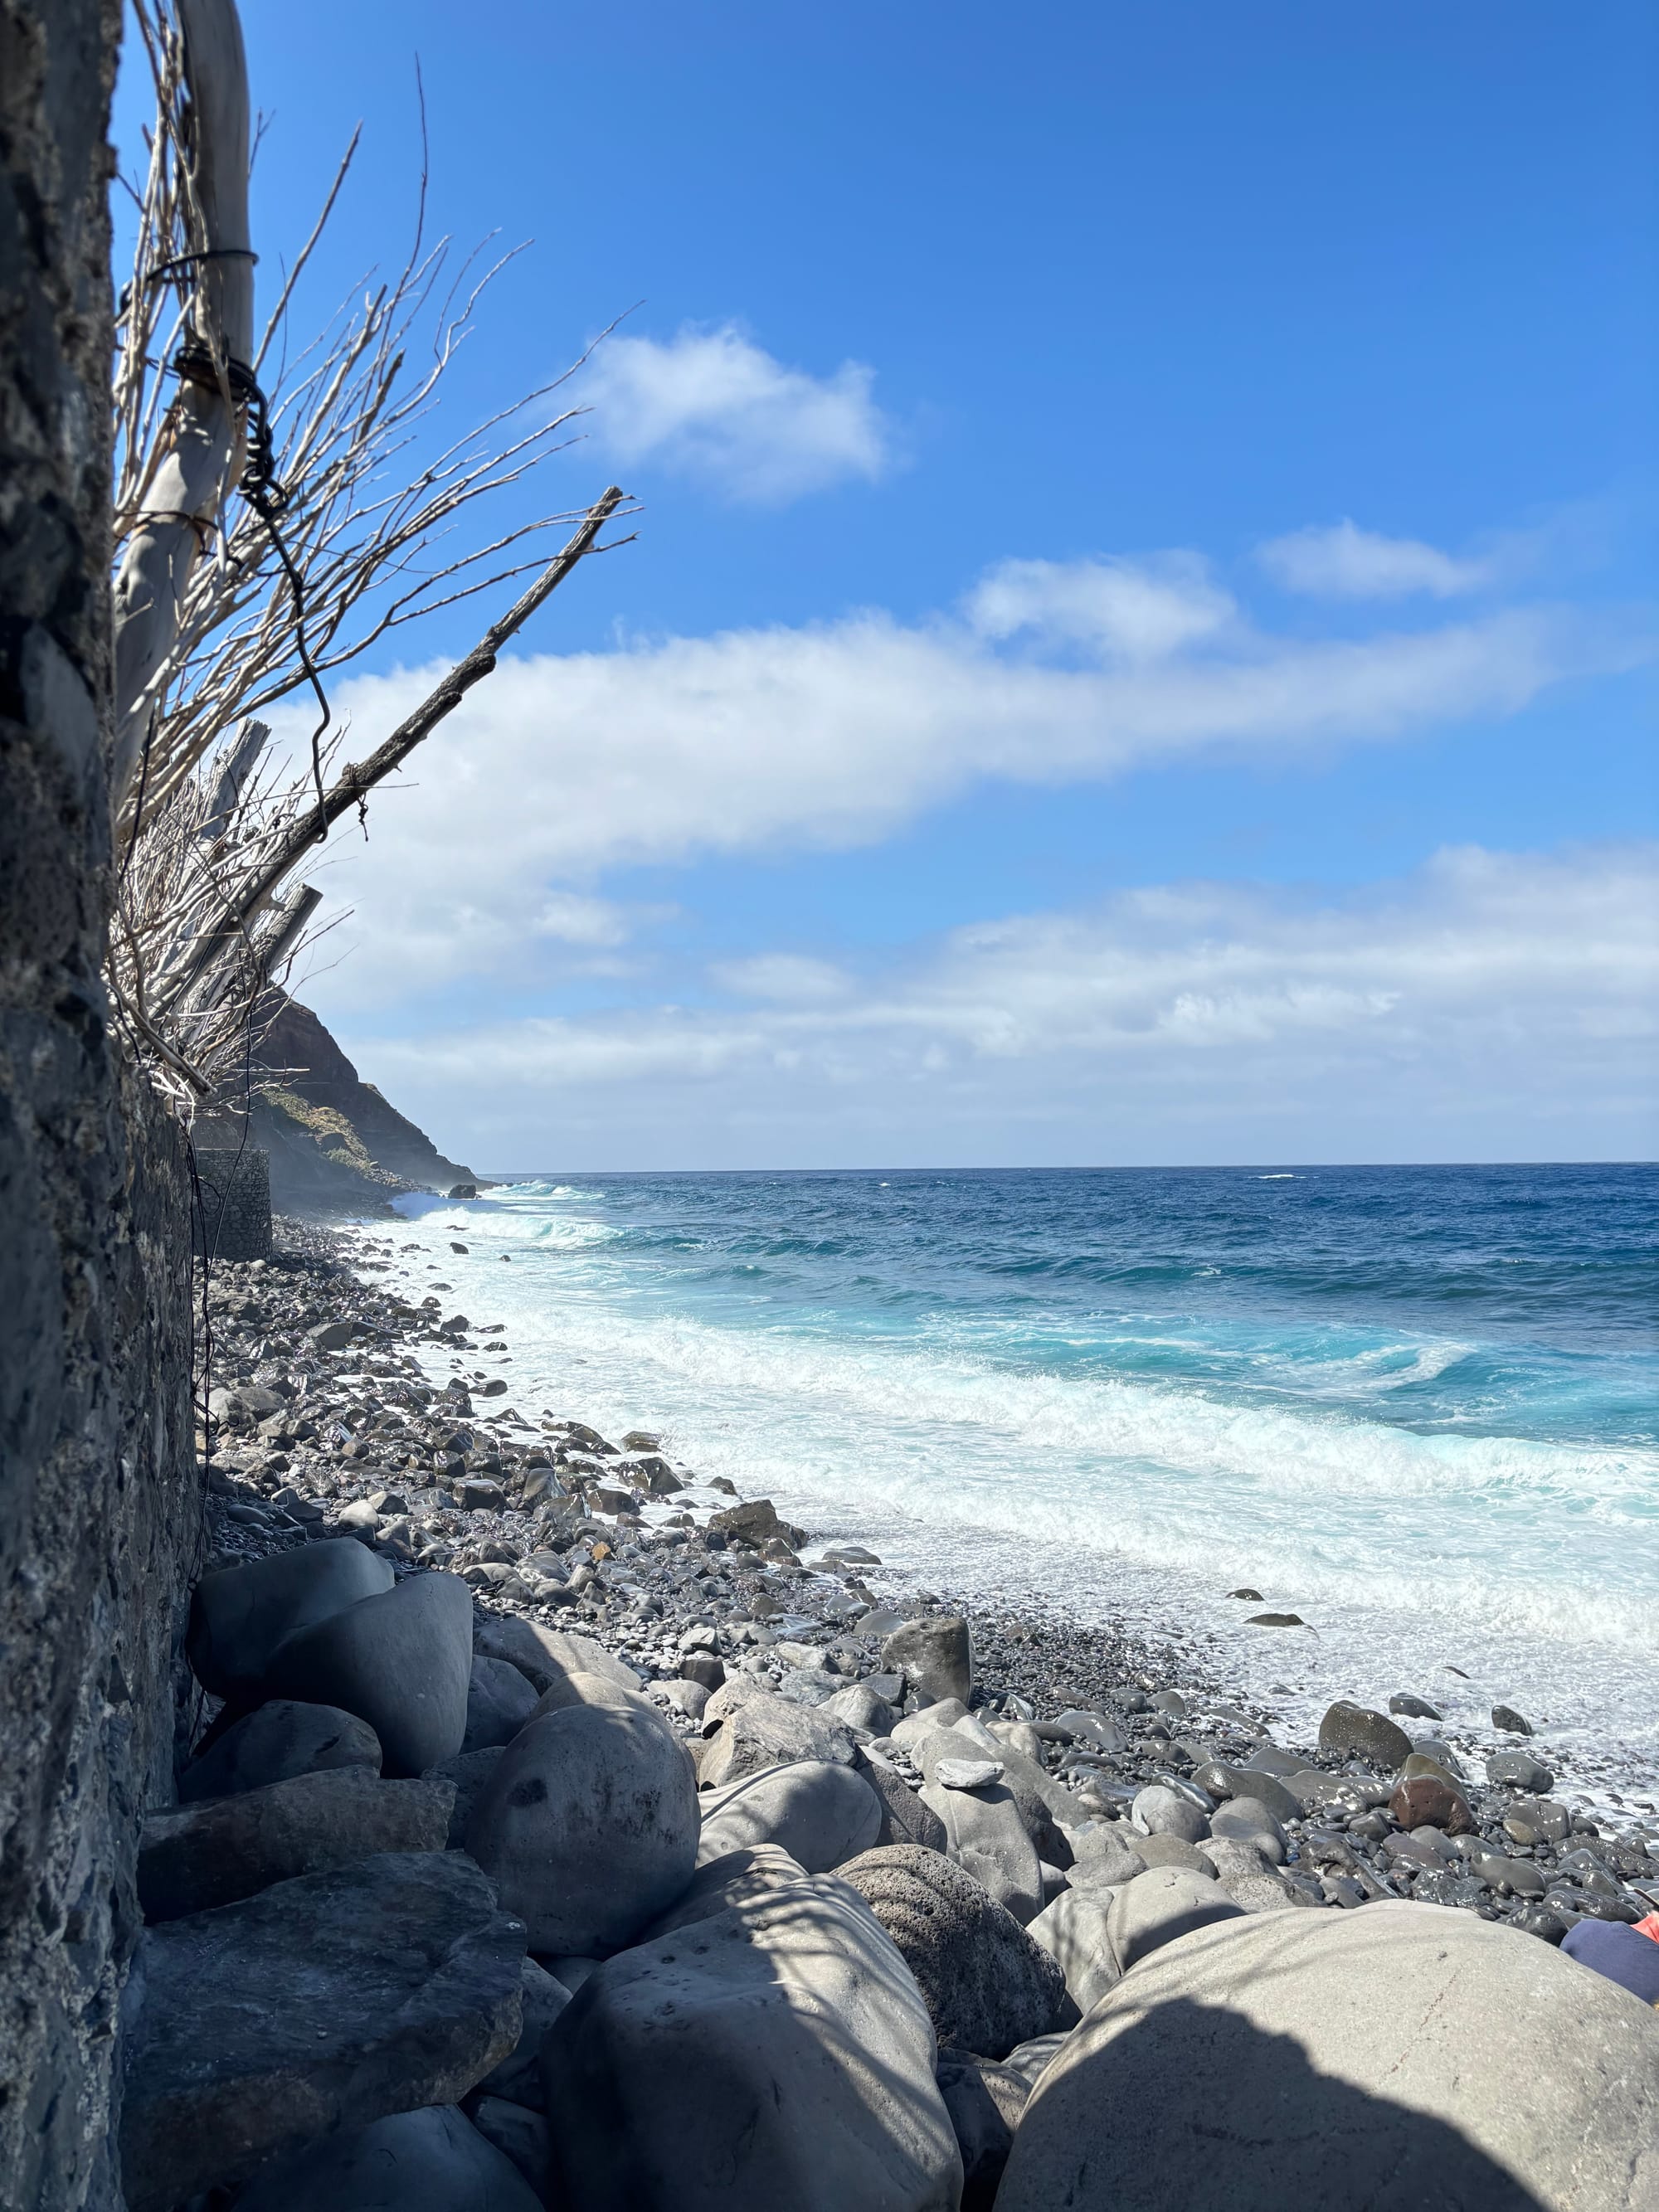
{"points": [[233, 1219], [99, 1508]]}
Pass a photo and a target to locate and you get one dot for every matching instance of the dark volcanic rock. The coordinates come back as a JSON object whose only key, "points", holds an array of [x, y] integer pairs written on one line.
{"points": [[934, 1655], [321, 2004], [986, 1985], [277, 1743], [239, 1616], [430, 2160], [1506, 1718], [1519, 1769], [402, 1662], [193, 1857], [1359, 1732]]}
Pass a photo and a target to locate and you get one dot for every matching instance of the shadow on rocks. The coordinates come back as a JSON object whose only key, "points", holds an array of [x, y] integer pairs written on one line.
{"points": [[1100, 2136]]}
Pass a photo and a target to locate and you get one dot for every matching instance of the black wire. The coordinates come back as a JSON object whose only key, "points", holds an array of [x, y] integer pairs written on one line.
{"points": [[267, 495]]}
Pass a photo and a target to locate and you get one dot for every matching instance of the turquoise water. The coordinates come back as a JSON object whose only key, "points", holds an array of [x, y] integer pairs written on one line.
{"points": [[1418, 1407]]}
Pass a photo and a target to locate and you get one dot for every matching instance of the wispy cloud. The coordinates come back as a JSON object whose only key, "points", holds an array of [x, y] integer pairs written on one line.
{"points": [[1345, 563], [713, 405], [836, 734], [1483, 1006]]}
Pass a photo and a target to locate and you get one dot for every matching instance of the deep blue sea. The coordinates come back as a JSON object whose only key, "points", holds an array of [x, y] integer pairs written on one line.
{"points": [[1418, 1405]]}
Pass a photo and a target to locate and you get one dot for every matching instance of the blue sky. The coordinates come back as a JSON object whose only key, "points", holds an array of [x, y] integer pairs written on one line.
{"points": [[1137, 648]]}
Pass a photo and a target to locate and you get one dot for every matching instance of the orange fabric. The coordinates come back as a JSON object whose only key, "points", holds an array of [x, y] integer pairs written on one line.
{"points": [[1650, 1926]]}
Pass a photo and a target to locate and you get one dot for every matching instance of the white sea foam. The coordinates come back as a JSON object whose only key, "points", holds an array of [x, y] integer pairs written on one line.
{"points": [[1527, 1562]]}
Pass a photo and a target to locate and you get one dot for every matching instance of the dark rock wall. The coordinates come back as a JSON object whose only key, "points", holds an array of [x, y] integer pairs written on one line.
{"points": [[99, 1508]]}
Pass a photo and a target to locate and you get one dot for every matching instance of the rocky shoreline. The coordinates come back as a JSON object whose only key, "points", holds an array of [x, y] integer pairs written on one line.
{"points": [[924, 1844]]}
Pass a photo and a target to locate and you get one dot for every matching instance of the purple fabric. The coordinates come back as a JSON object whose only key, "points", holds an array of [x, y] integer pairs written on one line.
{"points": [[1608, 1947]]}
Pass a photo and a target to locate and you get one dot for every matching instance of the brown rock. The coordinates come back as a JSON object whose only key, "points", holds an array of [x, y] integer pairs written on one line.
{"points": [[1428, 1801]]}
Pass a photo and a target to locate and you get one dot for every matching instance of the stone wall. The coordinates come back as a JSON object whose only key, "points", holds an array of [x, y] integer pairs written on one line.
{"points": [[233, 1221], [99, 1504]]}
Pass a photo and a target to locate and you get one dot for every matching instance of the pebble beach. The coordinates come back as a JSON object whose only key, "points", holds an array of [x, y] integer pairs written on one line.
{"points": [[995, 1824]]}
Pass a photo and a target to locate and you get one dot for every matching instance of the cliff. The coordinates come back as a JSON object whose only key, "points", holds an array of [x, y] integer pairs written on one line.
{"points": [[335, 1142]]}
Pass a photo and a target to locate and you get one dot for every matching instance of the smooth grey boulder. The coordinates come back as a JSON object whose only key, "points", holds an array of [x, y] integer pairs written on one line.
{"points": [[905, 1818], [1159, 1907], [544, 1655], [322, 2002], [581, 1689], [1361, 1734], [588, 1824], [518, 2134], [193, 1857], [499, 1701], [1221, 1780], [935, 1657], [777, 2055], [861, 1708], [986, 1985], [768, 1731], [429, 2161], [401, 1662], [1519, 1769], [1158, 1810], [1403, 2055], [1171, 1852], [1103, 1852], [1248, 1876], [983, 1831], [746, 1877], [239, 1616], [1073, 1930], [910, 1733], [984, 2101], [519, 2076], [820, 1815], [277, 1743], [1247, 1821]]}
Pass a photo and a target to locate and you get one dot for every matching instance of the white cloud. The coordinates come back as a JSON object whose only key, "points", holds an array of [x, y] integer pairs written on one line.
{"points": [[1347, 563], [1123, 609], [1493, 1005], [713, 405], [781, 976], [835, 735]]}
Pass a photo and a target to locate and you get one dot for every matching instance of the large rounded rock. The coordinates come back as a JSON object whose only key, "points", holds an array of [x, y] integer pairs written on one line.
{"points": [[499, 1701], [934, 1655], [276, 1743], [1158, 1810], [1359, 1733], [1295, 2058], [986, 1985], [820, 1815], [430, 2160], [746, 1877], [1073, 1932], [1247, 1821], [777, 2055], [401, 1662], [1159, 1907], [588, 1824], [984, 1832], [239, 1616], [767, 1731]]}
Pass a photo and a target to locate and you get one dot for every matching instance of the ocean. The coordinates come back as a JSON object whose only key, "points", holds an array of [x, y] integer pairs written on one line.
{"points": [[1417, 1406]]}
